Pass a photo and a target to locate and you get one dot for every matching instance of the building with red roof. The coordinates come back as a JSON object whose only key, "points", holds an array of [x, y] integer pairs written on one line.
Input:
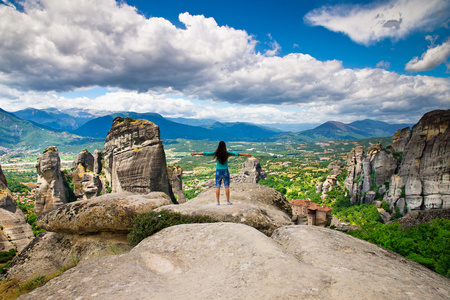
{"points": [[305, 212]]}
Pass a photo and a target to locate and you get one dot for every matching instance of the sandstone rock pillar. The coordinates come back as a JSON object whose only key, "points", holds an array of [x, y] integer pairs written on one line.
{"points": [[49, 191], [134, 157]]}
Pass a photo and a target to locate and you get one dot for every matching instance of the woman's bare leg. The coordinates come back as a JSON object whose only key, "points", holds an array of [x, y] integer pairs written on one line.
{"points": [[227, 193], [218, 194]]}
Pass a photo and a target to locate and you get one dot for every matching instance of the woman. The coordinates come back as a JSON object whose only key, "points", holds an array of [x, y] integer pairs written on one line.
{"points": [[222, 174]]}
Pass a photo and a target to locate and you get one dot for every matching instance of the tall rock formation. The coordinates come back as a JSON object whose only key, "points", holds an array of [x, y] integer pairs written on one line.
{"points": [[49, 190], [425, 166], [251, 172], [134, 157], [422, 179], [367, 171], [15, 232], [175, 173], [98, 157], [86, 182]]}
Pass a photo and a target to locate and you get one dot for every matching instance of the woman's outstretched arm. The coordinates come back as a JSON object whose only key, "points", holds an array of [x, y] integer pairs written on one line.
{"points": [[245, 154], [196, 153]]}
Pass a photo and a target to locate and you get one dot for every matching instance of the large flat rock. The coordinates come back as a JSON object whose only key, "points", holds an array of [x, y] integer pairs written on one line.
{"points": [[246, 193], [197, 261], [359, 269], [235, 261], [111, 212]]}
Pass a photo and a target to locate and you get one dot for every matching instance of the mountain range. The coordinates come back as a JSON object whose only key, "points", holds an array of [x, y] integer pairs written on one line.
{"points": [[16, 133], [49, 126]]}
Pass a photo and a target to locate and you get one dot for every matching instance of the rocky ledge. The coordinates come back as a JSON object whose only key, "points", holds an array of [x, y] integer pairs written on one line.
{"points": [[235, 261]]}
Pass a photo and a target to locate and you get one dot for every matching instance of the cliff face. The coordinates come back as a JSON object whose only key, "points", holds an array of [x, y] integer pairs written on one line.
{"points": [[134, 157], [422, 179], [425, 168], [367, 169], [50, 187]]}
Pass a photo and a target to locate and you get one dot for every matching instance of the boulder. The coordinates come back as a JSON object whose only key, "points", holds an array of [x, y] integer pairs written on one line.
{"points": [[134, 158], [385, 216], [251, 172], [51, 252], [107, 213], [50, 191], [235, 261], [15, 232]]}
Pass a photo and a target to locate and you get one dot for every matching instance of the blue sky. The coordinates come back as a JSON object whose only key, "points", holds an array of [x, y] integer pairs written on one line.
{"points": [[282, 61]]}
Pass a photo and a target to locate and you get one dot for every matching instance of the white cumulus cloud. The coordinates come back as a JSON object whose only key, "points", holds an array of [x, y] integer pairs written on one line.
{"points": [[53, 46], [432, 58], [370, 23]]}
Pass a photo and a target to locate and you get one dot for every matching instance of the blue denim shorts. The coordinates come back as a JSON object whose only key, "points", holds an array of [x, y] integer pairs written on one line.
{"points": [[222, 174]]}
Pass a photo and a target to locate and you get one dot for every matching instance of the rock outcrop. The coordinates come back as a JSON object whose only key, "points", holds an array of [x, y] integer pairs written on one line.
{"points": [[112, 212], [98, 157], [400, 139], [416, 165], [422, 216], [327, 185], [259, 206], [367, 171], [49, 190], [51, 252], [86, 182], [235, 261], [134, 158], [81, 231], [84, 158], [175, 173], [15, 232], [251, 172], [335, 167], [425, 166]]}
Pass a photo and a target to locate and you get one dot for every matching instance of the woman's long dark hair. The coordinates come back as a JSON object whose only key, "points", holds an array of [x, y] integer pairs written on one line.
{"points": [[221, 153]]}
